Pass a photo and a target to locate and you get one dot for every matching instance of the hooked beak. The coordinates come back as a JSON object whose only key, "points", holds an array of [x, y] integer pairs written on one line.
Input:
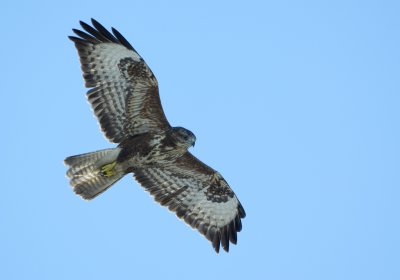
{"points": [[193, 140]]}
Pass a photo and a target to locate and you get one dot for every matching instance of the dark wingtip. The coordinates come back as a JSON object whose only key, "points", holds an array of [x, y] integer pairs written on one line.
{"points": [[232, 232], [238, 224], [84, 25], [94, 22], [222, 237], [242, 213], [225, 238], [216, 242], [103, 31], [73, 38], [122, 39], [97, 33]]}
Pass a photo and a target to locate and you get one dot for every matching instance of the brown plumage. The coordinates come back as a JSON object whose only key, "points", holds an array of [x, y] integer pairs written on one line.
{"points": [[125, 99]]}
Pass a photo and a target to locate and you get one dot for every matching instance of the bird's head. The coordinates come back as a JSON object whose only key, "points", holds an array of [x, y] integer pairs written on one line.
{"points": [[183, 137]]}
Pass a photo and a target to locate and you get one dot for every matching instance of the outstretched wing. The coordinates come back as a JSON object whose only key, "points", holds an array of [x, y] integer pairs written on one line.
{"points": [[124, 94], [197, 194]]}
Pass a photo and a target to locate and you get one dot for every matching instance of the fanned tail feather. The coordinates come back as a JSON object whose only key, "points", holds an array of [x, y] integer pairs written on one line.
{"points": [[92, 173]]}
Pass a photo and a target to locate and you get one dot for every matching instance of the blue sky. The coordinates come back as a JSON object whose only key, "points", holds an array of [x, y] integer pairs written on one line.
{"points": [[296, 103]]}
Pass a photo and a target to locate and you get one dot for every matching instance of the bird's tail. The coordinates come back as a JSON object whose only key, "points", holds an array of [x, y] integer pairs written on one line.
{"points": [[92, 173]]}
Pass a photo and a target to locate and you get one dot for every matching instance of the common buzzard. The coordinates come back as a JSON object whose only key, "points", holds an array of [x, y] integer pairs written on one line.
{"points": [[124, 97]]}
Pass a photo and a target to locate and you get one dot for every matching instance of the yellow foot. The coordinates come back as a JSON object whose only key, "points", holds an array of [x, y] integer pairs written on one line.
{"points": [[108, 169]]}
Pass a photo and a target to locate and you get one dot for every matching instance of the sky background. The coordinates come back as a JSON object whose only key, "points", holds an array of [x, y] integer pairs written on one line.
{"points": [[296, 103]]}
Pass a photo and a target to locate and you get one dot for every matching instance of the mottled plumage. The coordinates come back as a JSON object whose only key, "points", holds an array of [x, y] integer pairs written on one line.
{"points": [[125, 99]]}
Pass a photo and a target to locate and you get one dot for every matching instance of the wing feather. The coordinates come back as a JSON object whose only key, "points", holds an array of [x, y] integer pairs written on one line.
{"points": [[197, 194], [124, 91]]}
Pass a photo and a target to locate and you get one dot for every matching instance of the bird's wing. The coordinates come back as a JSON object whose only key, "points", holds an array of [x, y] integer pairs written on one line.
{"points": [[197, 194], [124, 91]]}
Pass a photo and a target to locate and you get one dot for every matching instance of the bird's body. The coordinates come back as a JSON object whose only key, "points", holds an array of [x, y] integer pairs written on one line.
{"points": [[151, 148], [124, 97]]}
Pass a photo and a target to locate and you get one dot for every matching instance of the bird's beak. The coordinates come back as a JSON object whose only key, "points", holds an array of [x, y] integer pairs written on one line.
{"points": [[193, 144]]}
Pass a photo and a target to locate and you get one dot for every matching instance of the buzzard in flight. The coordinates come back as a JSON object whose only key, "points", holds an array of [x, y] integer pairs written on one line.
{"points": [[124, 97]]}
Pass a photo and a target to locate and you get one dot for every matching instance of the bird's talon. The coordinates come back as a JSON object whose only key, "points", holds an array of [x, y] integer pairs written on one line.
{"points": [[108, 169]]}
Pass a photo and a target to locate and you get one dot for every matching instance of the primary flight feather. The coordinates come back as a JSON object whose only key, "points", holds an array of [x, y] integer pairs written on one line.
{"points": [[125, 99]]}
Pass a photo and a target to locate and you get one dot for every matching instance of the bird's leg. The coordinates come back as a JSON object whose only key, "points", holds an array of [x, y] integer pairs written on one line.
{"points": [[108, 169]]}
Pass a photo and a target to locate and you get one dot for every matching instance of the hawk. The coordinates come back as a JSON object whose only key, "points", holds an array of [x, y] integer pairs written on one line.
{"points": [[124, 97]]}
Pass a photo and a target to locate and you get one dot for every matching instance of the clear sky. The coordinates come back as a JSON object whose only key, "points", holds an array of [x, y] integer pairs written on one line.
{"points": [[296, 103]]}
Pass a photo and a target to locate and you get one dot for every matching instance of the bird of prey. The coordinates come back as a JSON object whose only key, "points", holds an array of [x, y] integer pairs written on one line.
{"points": [[124, 97]]}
